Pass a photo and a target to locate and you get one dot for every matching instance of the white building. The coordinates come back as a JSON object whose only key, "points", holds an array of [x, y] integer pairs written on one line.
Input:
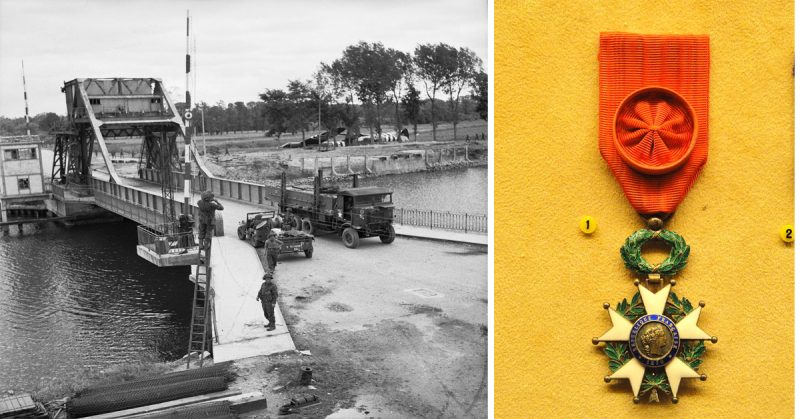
{"points": [[21, 171], [21, 166]]}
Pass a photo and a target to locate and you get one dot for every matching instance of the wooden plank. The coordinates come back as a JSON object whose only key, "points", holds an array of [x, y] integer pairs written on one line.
{"points": [[239, 404], [145, 410]]}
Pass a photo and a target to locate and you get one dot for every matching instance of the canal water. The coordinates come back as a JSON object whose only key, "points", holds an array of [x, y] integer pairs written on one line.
{"points": [[458, 190], [80, 297]]}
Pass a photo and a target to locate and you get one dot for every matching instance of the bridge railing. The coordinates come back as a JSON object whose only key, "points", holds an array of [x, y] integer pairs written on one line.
{"points": [[166, 238], [224, 188], [442, 220], [138, 205]]}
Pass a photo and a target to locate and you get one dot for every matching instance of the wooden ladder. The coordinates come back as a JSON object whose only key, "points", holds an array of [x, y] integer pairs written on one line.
{"points": [[201, 307]]}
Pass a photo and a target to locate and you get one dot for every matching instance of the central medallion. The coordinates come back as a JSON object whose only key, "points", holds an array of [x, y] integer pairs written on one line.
{"points": [[654, 340]]}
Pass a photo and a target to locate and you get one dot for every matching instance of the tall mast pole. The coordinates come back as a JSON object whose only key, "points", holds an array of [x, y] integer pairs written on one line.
{"points": [[202, 110], [187, 118], [25, 93]]}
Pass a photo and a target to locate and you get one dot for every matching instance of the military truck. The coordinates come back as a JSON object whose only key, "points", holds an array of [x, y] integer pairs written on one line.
{"points": [[352, 213]]}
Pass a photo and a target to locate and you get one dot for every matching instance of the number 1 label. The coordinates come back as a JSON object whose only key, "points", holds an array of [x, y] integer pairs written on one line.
{"points": [[588, 224]]}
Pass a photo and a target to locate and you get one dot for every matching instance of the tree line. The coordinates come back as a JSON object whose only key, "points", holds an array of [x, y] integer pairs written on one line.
{"points": [[366, 87], [370, 81], [40, 124]]}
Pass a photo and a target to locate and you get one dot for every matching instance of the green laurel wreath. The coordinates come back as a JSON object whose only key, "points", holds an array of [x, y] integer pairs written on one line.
{"points": [[631, 252]]}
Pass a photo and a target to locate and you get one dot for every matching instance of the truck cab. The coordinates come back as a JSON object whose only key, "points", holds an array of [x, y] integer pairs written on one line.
{"points": [[364, 206], [366, 212]]}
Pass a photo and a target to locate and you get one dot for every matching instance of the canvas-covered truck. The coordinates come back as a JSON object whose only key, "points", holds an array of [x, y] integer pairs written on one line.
{"points": [[352, 213], [256, 228]]}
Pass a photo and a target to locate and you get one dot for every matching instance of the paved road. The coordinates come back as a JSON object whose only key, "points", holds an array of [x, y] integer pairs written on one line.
{"points": [[405, 323]]}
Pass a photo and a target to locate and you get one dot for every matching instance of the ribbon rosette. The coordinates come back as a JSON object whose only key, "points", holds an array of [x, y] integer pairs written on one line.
{"points": [[655, 130]]}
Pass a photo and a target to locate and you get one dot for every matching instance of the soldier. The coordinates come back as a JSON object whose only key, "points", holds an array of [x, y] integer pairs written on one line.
{"points": [[287, 220], [268, 295], [273, 246], [185, 238], [208, 206]]}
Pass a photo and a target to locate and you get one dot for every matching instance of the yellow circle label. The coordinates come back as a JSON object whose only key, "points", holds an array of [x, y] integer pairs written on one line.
{"points": [[787, 233], [588, 224]]}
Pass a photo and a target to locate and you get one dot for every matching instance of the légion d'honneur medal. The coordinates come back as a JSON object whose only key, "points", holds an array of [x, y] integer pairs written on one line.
{"points": [[654, 137]]}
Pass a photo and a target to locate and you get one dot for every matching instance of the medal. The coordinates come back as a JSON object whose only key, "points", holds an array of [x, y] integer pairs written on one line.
{"points": [[654, 138]]}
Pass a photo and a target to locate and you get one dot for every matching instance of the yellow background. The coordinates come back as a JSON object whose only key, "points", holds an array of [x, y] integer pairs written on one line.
{"points": [[551, 280]]}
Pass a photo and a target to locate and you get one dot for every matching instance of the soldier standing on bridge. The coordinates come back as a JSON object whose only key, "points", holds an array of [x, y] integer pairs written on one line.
{"points": [[268, 295], [208, 206], [273, 246]]}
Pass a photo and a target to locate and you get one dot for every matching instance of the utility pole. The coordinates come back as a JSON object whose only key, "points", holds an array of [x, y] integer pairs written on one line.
{"points": [[25, 92], [187, 118], [203, 127]]}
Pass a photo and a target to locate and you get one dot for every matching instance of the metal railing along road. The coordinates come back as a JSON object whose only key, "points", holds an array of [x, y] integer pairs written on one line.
{"points": [[269, 195], [442, 220]]}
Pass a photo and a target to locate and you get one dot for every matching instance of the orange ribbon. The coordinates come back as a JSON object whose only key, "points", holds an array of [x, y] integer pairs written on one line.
{"points": [[654, 115]]}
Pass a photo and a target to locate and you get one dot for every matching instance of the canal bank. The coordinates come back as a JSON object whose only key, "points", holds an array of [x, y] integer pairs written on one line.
{"points": [[374, 160]]}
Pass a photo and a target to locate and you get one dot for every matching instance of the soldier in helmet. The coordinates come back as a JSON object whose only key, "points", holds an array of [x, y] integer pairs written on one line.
{"points": [[273, 246], [268, 295], [256, 221], [208, 206]]}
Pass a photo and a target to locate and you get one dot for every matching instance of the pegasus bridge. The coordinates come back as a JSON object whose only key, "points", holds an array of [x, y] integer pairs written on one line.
{"points": [[225, 319], [101, 110]]}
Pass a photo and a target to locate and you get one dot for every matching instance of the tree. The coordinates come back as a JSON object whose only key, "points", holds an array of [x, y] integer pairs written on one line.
{"points": [[327, 91], [345, 88], [434, 65], [240, 115], [276, 110], [49, 121], [411, 106], [467, 65], [301, 106], [404, 63], [374, 70], [480, 93]]}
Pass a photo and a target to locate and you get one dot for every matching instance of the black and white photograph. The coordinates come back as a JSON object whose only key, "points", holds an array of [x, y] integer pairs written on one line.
{"points": [[245, 209]]}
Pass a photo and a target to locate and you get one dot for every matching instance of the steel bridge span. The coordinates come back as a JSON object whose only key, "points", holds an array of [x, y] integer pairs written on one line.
{"points": [[101, 109]]}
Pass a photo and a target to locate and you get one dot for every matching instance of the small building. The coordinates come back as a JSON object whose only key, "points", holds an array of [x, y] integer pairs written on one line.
{"points": [[21, 166], [21, 173]]}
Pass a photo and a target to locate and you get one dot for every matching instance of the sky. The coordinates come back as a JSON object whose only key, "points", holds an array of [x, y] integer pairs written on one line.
{"points": [[242, 47]]}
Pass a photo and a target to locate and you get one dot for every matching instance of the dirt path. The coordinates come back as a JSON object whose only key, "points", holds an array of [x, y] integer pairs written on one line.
{"points": [[393, 331]]}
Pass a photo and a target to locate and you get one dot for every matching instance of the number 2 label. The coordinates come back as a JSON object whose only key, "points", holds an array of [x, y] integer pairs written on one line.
{"points": [[787, 233]]}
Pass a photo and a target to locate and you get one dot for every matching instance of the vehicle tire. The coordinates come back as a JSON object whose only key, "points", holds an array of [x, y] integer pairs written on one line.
{"points": [[240, 232], [308, 253], [350, 238], [308, 226], [389, 236], [297, 222]]}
